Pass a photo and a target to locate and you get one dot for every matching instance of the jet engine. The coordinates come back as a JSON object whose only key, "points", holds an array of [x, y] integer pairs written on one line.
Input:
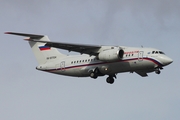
{"points": [[111, 55]]}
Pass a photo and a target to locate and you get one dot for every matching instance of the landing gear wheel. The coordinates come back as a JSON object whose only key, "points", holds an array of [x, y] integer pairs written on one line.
{"points": [[110, 80], [93, 75], [157, 71]]}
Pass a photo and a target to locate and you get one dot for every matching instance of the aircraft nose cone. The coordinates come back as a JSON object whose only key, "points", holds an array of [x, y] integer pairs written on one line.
{"points": [[167, 61]]}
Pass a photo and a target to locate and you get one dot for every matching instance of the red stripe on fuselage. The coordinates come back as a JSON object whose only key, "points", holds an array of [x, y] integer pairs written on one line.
{"points": [[100, 63]]}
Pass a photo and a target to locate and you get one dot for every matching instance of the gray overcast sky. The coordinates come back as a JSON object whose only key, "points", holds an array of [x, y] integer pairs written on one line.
{"points": [[28, 94]]}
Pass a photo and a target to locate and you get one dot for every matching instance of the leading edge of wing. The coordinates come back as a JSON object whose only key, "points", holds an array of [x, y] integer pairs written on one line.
{"points": [[81, 48]]}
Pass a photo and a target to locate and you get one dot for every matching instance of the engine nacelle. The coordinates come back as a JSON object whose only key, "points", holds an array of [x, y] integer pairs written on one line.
{"points": [[111, 55]]}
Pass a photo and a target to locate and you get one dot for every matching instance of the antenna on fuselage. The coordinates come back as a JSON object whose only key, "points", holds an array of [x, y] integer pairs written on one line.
{"points": [[142, 46]]}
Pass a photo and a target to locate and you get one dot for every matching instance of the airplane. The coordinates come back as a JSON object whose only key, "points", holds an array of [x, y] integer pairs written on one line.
{"points": [[94, 60]]}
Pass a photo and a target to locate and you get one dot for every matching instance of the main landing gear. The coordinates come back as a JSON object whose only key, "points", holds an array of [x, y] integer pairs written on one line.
{"points": [[110, 79], [94, 74]]}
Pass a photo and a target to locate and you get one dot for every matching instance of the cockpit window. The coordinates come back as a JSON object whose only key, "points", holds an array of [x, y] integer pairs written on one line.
{"points": [[161, 52], [157, 52]]}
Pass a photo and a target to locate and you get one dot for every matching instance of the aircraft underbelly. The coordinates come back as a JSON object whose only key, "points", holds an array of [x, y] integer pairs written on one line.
{"points": [[129, 66], [112, 68], [141, 65], [76, 72], [108, 68]]}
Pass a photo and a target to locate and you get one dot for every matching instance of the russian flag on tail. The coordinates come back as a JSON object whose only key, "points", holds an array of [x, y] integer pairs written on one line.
{"points": [[42, 48]]}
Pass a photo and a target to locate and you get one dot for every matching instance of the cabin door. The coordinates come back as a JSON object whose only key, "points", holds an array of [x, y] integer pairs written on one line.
{"points": [[140, 55], [62, 66]]}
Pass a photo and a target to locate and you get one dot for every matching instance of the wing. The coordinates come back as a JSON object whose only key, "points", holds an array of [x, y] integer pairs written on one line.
{"points": [[81, 48]]}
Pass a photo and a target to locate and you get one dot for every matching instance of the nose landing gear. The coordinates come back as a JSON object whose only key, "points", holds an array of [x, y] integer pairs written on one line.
{"points": [[157, 71]]}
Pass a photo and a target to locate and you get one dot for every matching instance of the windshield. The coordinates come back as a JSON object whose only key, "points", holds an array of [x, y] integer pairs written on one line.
{"points": [[161, 52], [158, 52]]}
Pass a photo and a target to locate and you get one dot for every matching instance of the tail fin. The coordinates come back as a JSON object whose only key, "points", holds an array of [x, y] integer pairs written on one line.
{"points": [[42, 53]]}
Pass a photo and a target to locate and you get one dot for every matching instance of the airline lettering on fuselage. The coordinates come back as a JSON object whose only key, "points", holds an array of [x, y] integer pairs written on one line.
{"points": [[131, 52]]}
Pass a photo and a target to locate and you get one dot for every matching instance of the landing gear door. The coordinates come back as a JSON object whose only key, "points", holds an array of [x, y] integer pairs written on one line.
{"points": [[140, 56]]}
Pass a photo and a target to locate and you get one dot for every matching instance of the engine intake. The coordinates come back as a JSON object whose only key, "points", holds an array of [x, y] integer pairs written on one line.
{"points": [[111, 55]]}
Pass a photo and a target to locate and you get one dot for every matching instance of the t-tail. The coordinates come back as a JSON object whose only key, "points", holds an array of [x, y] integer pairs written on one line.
{"points": [[42, 52]]}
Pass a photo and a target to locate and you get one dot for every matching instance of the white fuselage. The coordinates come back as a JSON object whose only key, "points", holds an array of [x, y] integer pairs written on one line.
{"points": [[134, 59]]}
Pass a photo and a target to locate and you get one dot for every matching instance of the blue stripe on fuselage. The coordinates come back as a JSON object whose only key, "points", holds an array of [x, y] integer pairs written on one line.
{"points": [[100, 63]]}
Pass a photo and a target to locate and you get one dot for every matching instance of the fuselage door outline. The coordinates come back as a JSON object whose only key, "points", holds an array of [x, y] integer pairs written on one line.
{"points": [[62, 66], [140, 55]]}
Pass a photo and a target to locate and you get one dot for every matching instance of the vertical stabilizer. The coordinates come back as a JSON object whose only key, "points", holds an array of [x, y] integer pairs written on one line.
{"points": [[42, 53]]}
